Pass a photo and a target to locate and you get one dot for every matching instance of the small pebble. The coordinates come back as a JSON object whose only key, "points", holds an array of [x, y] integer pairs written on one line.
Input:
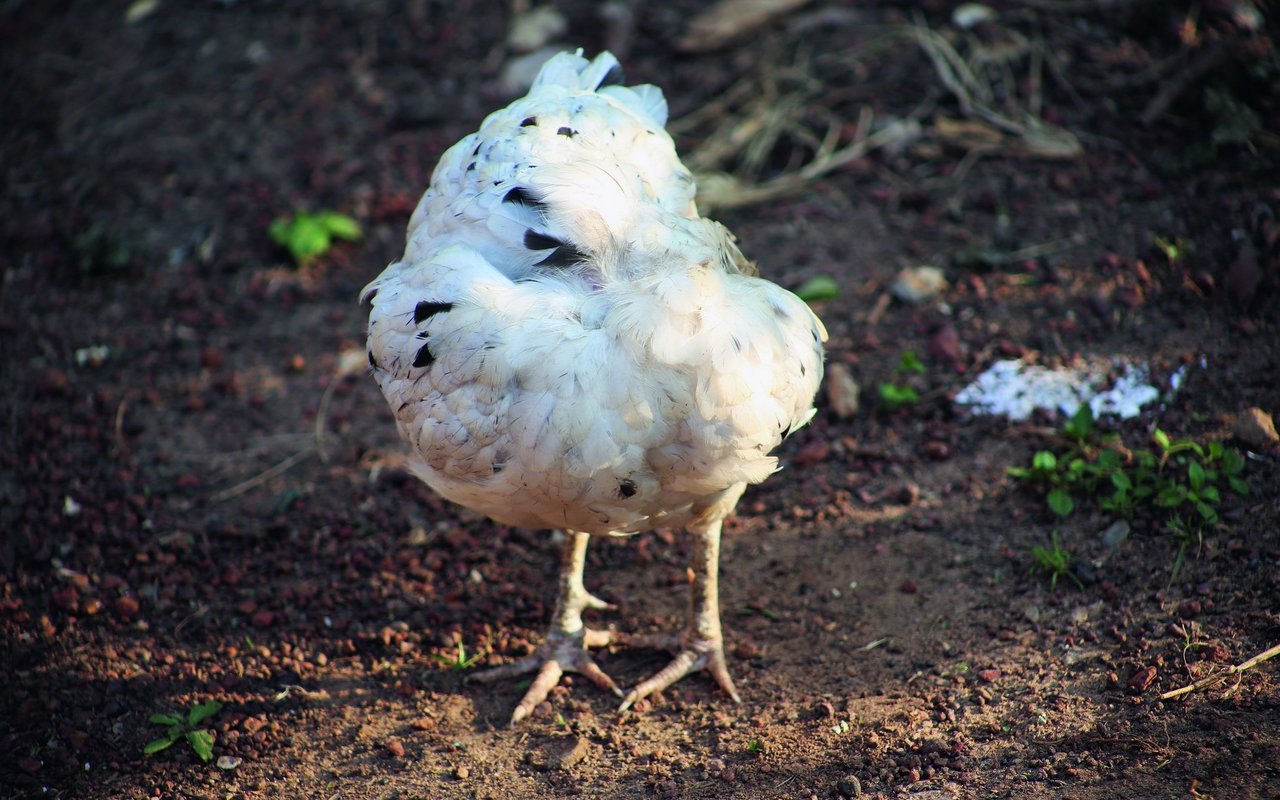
{"points": [[849, 786], [918, 284], [843, 391], [1256, 428]]}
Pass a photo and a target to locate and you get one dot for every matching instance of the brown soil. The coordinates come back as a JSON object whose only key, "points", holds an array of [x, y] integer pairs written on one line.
{"points": [[174, 530]]}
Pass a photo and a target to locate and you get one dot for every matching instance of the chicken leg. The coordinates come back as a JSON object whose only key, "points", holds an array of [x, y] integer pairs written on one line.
{"points": [[701, 646], [565, 648]]}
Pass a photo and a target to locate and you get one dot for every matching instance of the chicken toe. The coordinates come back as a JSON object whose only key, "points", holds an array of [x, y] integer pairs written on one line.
{"points": [[565, 648], [701, 646]]}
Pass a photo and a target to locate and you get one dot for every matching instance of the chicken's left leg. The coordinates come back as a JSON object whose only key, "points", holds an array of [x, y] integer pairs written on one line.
{"points": [[565, 648], [701, 646]]}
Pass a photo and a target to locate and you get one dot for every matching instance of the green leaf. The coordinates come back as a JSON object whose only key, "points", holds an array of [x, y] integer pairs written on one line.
{"points": [[1060, 502], [307, 238], [1081, 423], [1018, 472], [1232, 462], [165, 719], [819, 287], [340, 225], [895, 396], [1044, 461], [1171, 497], [1109, 460], [157, 745], [910, 363], [1161, 438], [1208, 512], [1121, 481], [202, 743], [1238, 486], [1195, 475], [202, 711]]}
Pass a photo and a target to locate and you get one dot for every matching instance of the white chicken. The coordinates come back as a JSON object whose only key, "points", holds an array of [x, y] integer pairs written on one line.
{"points": [[566, 344]]}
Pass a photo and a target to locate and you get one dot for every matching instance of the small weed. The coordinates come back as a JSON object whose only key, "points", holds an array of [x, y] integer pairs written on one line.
{"points": [[460, 661], [1175, 250], [755, 747], [896, 394], [309, 236], [910, 364], [1055, 561], [760, 610], [819, 287], [201, 739], [1179, 480]]}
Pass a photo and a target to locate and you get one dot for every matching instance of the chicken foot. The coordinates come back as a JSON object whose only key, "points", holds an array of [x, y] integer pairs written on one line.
{"points": [[701, 645], [565, 648]]}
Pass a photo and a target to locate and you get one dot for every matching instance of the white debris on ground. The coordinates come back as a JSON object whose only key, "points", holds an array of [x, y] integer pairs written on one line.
{"points": [[1016, 389]]}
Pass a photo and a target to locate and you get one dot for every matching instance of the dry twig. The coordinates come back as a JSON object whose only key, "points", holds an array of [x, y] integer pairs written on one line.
{"points": [[1219, 677]]}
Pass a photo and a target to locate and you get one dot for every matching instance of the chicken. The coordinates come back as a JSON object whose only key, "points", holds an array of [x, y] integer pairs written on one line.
{"points": [[566, 344]]}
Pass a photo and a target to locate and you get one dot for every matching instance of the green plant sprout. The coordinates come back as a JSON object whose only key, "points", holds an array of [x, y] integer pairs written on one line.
{"points": [[819, 287], [1055, 561], [1180, 480], [308, 236], [460, 660], [896, 394], [201, 739]]}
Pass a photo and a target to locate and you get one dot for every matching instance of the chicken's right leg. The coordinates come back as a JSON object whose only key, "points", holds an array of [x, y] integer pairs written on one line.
{"points": [[565, 648]]}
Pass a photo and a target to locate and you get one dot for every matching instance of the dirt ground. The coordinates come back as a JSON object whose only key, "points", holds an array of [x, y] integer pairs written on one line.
{"points": [[200, 498]]}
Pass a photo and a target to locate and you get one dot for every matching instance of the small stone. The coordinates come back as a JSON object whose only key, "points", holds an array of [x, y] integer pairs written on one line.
{"points": [[1256, 428], [849, 786], [946, 348], [843, 391], [462, 772], [1140, 680], [938, 451], [566, 756], [395, 747], [263, 619], [918, 284], [1115, 534], [745, 651], [228, 762], [127, 607], [908, 587], [989, 675]]}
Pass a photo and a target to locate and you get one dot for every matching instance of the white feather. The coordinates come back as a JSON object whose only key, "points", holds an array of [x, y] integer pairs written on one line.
{"points": [[565, 343]]}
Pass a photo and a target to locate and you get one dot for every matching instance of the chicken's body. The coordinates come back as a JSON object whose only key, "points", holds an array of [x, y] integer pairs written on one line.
{"points": [[566, 344]]}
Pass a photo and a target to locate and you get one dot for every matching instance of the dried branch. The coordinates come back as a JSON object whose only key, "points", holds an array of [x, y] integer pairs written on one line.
{"points": [[1219, 677]]}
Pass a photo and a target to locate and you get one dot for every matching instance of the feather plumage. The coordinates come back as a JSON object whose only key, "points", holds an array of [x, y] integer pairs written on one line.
{"points": [[565, 343]]}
